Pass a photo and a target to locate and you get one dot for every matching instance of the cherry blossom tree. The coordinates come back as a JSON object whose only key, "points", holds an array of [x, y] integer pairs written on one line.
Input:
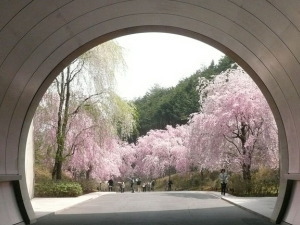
{"points": [[102, 159], [85, 132], [236, 128], [95, 160], [92, 148], [161, 150], [127, 154], [78, 104]]}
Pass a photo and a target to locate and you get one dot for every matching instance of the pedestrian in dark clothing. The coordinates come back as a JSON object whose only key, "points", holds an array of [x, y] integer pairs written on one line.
{"points": [[152, 185], [110, 184], [170, 185], [138, 184], [132, 184]]}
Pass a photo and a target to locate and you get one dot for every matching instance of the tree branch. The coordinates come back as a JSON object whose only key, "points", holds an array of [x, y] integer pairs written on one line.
{"points": [[82, 103], [230, 141]]}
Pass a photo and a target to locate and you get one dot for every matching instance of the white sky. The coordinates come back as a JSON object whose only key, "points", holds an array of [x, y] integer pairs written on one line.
{"points": [[160, 58]]}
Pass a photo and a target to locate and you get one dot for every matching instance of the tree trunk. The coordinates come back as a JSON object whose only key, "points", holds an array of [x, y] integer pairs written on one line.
{"points": [[246, 172], [57, 171], [247, 177], [243, 138], [169, 172], [88, 173], [63, 117], [57, 168]]}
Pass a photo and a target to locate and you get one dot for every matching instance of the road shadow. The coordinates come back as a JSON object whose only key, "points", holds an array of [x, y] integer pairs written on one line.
{"points": [[154, 209], [190, 195]]}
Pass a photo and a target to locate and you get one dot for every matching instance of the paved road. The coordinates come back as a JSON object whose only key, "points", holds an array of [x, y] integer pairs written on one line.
{"points": [[156, 208]]}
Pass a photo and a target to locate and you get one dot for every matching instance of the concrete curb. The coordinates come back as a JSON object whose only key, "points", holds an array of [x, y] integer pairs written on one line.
{"points": [[245, 208], [260, 206]]}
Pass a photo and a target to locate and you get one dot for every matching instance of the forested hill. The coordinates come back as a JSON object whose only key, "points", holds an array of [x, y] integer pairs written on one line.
{"points": [[172, 106]]}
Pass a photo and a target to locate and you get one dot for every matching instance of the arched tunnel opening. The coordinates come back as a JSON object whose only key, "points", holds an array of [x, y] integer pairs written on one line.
{"points": [[39, 41], [86, 153]]}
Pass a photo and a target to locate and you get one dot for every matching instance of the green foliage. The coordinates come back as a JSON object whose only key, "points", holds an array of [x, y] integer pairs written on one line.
{"points": [[149, 107], [161, 107], [46, 187], [125, 118], [223, 64], [89, 186], [57, 189]]}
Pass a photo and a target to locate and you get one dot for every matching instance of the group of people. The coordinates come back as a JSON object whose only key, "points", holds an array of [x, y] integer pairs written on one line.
{"points": [[149, 186], [141, 186], [168, 185], [121, 184]]}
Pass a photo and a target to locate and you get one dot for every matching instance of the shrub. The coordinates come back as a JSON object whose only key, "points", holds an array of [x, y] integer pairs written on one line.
{"points": [[58, 189], [89, 186], [41, 174], [237, 185], [265, 182]]}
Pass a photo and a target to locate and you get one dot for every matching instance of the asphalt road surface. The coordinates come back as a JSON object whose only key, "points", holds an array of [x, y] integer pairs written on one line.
{"points": [[154, 208]]}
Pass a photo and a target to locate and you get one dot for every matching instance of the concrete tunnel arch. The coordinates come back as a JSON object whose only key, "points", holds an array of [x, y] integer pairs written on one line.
{"points": [[39, 38]]}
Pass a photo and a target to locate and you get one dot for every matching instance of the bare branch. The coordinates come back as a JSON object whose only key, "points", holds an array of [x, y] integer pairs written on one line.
{"points": [[75, 143], [230, 141], [82, 103], [79, 67]]}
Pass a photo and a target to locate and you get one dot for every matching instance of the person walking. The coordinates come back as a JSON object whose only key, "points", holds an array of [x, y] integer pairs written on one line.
{"points": [[110, 184], [122, 187], [223, 180], [132, 184], [170, 183], [152, 185], [144, 186], [138, 183]]}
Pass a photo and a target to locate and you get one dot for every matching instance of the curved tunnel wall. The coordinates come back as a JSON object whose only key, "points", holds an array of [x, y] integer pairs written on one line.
{"points": [[39, 38]]}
